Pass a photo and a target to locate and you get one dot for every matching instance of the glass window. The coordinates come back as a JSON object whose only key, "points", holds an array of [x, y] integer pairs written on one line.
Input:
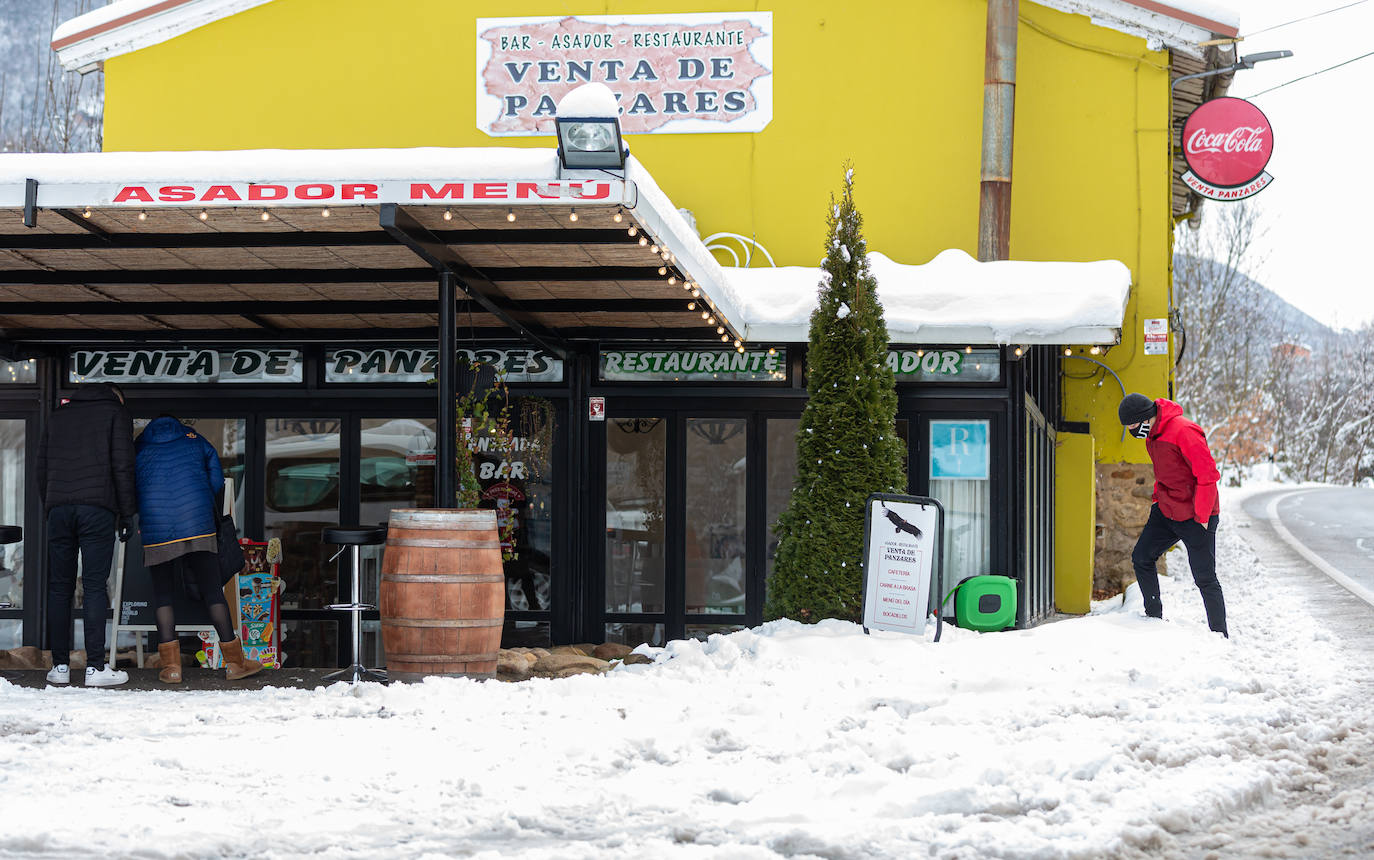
{"points": [[227, 435], [19, 372], [12, 513], [636, 634], [302, 499], [782, 475], [959, 477], [636, 453], [716, 526], [314, 643], [397, 466]]}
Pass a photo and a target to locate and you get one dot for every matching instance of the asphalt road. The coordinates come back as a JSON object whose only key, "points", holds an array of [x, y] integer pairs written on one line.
{"points": [[1331, 527]]}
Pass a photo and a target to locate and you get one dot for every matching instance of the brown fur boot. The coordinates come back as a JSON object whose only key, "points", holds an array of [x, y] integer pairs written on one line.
{"points": [[235, 664], [169, 658]]}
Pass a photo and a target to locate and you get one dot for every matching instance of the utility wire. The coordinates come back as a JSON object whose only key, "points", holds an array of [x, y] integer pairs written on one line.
{"points": [[1313, 75], [1308, 18]]}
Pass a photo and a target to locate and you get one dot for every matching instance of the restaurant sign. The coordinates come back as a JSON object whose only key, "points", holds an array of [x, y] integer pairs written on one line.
{"points": [[1227, 143], [694, 366], [699, 72], [418, 364], [217, 193], [182, 365]]}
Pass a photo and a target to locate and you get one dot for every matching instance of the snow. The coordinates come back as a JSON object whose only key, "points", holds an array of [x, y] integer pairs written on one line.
{"points": [[952, 299], [1097, 736], [588, 100]]}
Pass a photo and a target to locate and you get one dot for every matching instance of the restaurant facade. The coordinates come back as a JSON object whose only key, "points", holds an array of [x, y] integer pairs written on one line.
{"points": [[304, 269]]}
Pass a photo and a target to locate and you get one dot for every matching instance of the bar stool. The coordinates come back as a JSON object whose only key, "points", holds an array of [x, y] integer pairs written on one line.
{"points": [[9, 535], [349, 539]]}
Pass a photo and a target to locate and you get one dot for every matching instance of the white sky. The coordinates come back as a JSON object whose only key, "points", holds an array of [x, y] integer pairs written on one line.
{"points": [[1317, 210], [1107, 735]]}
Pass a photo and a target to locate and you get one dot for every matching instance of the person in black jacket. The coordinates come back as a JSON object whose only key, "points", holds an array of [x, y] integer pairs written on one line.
{"points": [[86, 485]]}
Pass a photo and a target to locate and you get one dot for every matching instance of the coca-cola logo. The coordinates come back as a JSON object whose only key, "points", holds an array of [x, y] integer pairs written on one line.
{"points": [[1227, 142]]}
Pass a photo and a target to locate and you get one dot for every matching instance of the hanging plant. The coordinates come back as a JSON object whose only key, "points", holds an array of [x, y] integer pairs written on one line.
{"points": [[536, 427]]}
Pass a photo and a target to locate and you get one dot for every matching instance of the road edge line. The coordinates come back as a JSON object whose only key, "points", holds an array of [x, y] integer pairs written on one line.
{"points": [[1272, 514]]}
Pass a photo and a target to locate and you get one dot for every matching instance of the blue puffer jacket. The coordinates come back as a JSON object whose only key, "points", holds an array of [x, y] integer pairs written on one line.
{"points": [[178, 475]]}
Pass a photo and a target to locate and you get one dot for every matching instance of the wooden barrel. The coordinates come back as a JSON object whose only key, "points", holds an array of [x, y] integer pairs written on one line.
{"points": [[442, 595]]}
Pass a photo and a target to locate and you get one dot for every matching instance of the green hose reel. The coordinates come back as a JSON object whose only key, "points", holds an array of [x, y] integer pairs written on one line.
{"points": [[984, 603]]}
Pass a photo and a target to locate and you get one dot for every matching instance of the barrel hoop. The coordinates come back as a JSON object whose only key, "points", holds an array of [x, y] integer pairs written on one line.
{"points": [[442, 622], [445, 544], [421, 518], [440, 658], [458, 578]]}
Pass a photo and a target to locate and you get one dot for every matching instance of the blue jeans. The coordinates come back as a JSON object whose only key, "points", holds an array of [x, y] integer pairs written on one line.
{"points": [[91, 530], [1159, 534]]}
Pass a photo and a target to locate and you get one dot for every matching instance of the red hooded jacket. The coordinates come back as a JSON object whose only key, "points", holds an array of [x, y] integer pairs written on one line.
{"points": [[1185, 474]]}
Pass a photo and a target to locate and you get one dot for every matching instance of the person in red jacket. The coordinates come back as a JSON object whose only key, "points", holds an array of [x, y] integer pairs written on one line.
{"points": [[1186, 505]]}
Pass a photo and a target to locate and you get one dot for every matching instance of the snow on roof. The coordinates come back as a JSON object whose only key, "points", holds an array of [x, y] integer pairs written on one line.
{"points": [[952, 299], [129, 25]]}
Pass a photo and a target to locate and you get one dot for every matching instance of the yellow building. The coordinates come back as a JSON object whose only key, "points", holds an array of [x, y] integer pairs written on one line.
{"points": [[746, 119]]}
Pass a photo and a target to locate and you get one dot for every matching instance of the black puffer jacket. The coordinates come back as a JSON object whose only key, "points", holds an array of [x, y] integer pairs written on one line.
{"points": [[87, 455]]}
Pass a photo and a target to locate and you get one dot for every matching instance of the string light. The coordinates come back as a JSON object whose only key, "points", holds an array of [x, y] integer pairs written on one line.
{"points": [[772, 350], [1068, 350], [672, 279], [710, 320], [143, 214], [1019, 351], [619, 216], [696, 293], [86, 213], [448, 214], [653, 249], [691, 306], [264, 216], [663, 270], [705, 315], [666, 256], [643, 240], [510, 214], [324, 213], [633, 231], [968, 350], [572, 215], [1095, 350], [204, 215], [739, 348], [720, 329], [725, 338]]}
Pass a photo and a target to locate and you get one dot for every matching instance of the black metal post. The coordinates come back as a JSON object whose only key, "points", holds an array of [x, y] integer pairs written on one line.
{"points": [[446, 442]]}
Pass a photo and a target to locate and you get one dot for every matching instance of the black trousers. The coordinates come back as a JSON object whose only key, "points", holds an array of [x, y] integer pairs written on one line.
{"points": [[91, 531], [1159, 534]]}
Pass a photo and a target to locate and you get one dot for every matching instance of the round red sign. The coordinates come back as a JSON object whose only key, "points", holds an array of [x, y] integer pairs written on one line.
{"points": [[1227, 142]]}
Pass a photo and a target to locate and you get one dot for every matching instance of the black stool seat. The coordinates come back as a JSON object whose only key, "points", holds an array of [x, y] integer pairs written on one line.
{"points": [[14, 534], [354, 535]]}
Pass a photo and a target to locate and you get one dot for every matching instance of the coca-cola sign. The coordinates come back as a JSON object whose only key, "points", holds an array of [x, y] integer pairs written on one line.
{"points": [[1227, 143]]}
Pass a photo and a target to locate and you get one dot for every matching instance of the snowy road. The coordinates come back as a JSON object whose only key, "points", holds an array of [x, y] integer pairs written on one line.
{"points": [[1111, 735], [1332, 527]]}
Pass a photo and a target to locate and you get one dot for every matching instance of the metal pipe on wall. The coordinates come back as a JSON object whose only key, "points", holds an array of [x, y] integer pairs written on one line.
{"points": [[999, 103], [446, 444]]}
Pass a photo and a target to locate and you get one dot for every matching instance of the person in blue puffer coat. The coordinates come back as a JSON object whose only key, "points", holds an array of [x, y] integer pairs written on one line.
{"points": [[178, 476]]}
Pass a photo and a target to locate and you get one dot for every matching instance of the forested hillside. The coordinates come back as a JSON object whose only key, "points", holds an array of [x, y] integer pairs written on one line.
{"points": [[43, 109], [1267, 382]]}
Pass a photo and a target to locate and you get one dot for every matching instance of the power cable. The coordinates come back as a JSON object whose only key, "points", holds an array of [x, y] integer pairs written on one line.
{"points": [[1312, 75], [1308, 18]]}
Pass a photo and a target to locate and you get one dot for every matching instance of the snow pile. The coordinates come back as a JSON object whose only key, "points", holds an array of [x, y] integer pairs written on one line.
{"points": [[1089, 737]]}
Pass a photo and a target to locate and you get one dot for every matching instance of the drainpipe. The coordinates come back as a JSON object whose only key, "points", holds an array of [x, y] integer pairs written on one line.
{"points": [[999, 102]]}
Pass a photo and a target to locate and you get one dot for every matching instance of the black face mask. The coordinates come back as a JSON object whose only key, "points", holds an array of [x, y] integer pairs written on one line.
{"points": [[1142, 430]]}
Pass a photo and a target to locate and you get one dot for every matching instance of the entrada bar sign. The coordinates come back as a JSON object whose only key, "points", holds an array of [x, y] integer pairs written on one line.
{"points": [[698, 72], [175, 365]]}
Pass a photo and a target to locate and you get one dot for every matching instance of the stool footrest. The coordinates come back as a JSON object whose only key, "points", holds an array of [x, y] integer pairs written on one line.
{"points": [[350, 607]]}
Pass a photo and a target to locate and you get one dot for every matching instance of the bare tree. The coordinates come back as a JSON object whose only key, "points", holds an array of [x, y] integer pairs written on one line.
{"points": [[59, 111]]}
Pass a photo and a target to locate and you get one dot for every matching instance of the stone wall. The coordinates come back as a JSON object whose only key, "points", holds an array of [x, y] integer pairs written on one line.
{"points": [[1123, 505]]}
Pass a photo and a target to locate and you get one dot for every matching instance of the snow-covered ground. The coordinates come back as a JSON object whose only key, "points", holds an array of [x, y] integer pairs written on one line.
{"points": [[1100, 736]]}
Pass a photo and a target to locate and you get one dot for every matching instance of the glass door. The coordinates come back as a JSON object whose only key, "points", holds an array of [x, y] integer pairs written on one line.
{"points": [[12, 474], [635, 560]]}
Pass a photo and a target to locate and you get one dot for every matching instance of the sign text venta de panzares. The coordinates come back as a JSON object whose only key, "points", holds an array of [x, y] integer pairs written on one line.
{"points": [[707, 72], [1227, 143]]}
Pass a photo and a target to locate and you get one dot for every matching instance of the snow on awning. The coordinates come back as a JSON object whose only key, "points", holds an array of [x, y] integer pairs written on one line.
{"points": [[952, 299]]}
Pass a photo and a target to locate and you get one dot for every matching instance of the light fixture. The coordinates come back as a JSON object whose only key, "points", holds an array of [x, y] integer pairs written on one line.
{"points": [[920, 352], [672, 279], [720, 329], [86, 213], [1068, 350], [1019, 351], [968, 350], [739, 348], [725, 338], [663, 270], [572, 214], [705, 315], [643, 240], [264, 216], [633, 231], [666, 256], [691, 306], [588, 129], [619, 216], [1095, 350], [710, 320], [772, 350], [204, 215], [737, 345], [143, 214], [510, 214], [695, 292], [653, 249], [324, 213]]}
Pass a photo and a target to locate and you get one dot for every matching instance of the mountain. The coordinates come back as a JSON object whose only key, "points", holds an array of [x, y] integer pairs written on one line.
{"points": [[43, 109]]}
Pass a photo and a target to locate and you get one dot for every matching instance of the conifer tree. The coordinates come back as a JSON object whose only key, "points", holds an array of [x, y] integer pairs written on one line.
{"points": [[847, 444]]}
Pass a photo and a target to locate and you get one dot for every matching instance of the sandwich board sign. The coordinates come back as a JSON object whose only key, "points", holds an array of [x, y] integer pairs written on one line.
{"points": [[902, 540]]}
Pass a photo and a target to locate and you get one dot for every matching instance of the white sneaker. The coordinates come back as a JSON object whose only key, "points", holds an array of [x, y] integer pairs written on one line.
{"points": [[60, 674], [107, 677]]}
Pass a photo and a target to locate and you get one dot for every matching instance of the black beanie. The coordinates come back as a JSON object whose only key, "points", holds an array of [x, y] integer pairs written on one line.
{"points": [[1135, 408]]}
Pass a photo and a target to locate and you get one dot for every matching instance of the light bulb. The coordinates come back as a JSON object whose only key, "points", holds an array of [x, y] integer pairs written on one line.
{"points": [[772, 351], [705, 315], [143, 214], [653, 249], [204, 215], [725, 338], [663, 270], [696, 293], [643, 240], [1068, 350], [691, 306], [618, 216], [86, 213], [968, 350], [737, 344], [672, 279], [739, 349], [572, 215], [510, 214], [1095, 350], [720, 329], [448, 214], [666, 255], [710, 320], [324, 213], [1018, 351], [264, 216], [633, 231]]}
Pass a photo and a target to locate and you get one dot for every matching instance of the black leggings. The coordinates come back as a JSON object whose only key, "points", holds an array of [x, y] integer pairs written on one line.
{"points": [[204, 568]]}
